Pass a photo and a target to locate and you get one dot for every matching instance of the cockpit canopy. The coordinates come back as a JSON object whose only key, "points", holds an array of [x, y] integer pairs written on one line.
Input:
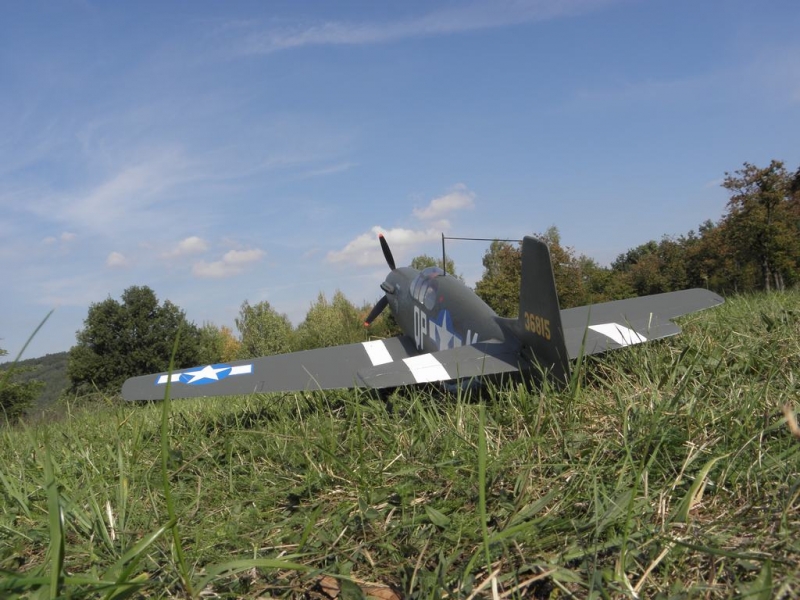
{"points": [[425, 286]]}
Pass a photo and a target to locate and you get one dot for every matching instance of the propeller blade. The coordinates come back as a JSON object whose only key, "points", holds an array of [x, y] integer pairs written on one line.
{"points": [[378, 309], [386, 252]]}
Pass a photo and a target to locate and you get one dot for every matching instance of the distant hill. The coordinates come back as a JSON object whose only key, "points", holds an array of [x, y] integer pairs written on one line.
{"points": [[52, 370]]}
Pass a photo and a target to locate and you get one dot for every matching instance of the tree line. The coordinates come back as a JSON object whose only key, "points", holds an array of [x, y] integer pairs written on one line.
{"points": [[754, 246]]}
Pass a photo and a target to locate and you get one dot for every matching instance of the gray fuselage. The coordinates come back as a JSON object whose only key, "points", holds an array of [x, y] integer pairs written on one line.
{"points": [[439, 311]]}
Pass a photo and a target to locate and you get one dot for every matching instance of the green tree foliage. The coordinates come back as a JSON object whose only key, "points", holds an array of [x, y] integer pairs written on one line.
{"points": [[499, 285], [263, 330], [423, 261], [128, 338], [230, 345], [567, 270], [653, 267], [384, 326], [212, 344], [50, 369], [710, 262], [762, 221], [16, 396], [331, 323], [579, 279], [601, 284]]}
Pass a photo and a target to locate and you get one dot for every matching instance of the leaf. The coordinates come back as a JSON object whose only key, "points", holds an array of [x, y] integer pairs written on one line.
{"points": [[761, 587], [695, 493], [437, 518]]}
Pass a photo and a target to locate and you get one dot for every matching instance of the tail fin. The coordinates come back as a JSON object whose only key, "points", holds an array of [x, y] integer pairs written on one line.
{"points": [[539, 325]]}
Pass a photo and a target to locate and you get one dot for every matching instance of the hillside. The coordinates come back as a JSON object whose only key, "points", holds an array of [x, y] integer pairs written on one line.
{"points": [[50, 369], [666, 470]]}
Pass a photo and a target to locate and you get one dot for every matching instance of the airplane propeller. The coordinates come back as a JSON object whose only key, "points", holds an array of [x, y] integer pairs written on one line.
{"points": [[384, 301], [387, 253]]}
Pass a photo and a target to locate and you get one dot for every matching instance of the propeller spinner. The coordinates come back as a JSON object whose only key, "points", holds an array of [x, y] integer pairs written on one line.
{"points": [[384, 301]]}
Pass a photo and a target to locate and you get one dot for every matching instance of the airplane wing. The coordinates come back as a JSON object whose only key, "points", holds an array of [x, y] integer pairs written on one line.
{"points": [[335, 367], [621, 323], [464, 362]]}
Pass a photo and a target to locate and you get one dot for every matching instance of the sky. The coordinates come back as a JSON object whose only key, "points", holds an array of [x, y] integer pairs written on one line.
{"points": [[219, 152]]}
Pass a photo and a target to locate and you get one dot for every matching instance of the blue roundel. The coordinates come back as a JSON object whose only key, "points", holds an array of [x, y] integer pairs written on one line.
{"points": [[209, 374]]}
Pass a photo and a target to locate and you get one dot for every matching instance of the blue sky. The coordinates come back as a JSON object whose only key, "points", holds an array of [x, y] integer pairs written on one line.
{"points": [[228, 151]]}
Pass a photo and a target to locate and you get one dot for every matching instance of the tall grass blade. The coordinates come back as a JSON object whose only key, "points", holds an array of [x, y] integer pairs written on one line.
{"points": [[56, 549], [165, 452], [482, 456], [695, 491], [237, 566]]}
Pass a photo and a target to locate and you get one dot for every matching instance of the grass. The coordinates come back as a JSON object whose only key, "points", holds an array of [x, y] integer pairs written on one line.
{"points": [[666, 470]]}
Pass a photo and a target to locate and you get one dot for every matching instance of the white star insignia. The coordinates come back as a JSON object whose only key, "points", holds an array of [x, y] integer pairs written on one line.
{"points": [[208, 372]]}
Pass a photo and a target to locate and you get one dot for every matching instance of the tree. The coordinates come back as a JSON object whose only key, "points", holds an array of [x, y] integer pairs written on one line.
{"points": [[230, 344], [129, 338], [263, 330], [710, 262], [601, 284], [330, 323], [502, 272], [212, 344], [15, 396], [499, 285], [567, 270], [762, 221], [385, 326], [423, 261]]}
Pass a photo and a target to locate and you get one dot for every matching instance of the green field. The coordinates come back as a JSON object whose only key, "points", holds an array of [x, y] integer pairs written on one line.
{"points": [[665, 470]]}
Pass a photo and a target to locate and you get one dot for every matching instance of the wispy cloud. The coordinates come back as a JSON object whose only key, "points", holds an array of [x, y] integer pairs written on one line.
{"points": [[186, 247], [232, 263], [330, 170], [713, 184], [117, 260], [459, 198], [118, 201], [774, 76], [363, 249], [460, 19], [66, 237]]}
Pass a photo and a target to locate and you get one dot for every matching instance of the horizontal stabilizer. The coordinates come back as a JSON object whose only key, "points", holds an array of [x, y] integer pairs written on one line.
{"points": [[611, 325]]}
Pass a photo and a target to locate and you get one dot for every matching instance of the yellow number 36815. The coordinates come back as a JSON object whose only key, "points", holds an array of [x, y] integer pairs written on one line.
{"points": [[538, 325]]}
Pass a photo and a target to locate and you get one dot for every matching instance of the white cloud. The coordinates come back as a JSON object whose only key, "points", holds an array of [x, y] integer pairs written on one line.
{"points": [[232, 263], [365, 249], [714, 183], [188, 246], [126, 197], [462, 18], [65, 237], [459, 198], [116, 260], [330, 170]]}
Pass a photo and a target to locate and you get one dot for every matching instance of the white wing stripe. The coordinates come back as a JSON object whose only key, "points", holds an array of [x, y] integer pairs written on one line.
{"points": [[377, 352], [624, 336], [426, 368]]}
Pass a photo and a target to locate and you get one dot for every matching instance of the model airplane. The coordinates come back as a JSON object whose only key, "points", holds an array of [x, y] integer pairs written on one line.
{"points": [[449, 335]]}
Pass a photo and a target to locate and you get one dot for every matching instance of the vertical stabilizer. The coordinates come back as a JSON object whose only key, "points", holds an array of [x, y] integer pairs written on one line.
{"points": [[539, 325]]}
